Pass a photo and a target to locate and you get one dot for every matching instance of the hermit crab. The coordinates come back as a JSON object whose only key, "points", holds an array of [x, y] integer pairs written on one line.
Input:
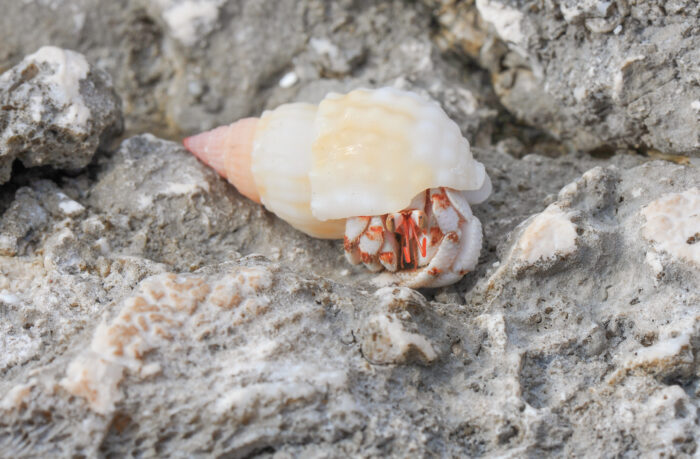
{"points": [[385, 169]]}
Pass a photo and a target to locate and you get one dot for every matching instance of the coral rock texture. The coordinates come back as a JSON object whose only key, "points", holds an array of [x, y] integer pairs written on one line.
{"points": [[56, 110], [126, 322], [673, 224]]}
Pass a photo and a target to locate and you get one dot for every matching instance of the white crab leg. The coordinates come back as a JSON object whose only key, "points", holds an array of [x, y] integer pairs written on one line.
{"points": [[459, 202], [389, 253], [444, 258], [419, 225], [439, 271], [458, 251], [432, 275], [452, 240], [431, 237], [468, 255], [446, 278], [445, 214], [471, 233], [371, 243], [424, 239], [354, 227], [418, 202]]}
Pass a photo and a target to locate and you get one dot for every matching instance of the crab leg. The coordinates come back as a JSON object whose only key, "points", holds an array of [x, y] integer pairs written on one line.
{"points": [[368, 241], [371, 243], [471, 231], [388, 254], [468, 254], [434, 242], [439, 271], [446, 215], [453, 245], [354, 227], [411, 225], [445, 247]]}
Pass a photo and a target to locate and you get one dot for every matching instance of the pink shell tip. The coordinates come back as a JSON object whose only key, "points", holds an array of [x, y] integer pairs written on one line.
{"points": [[209, 148], [227, 150]]}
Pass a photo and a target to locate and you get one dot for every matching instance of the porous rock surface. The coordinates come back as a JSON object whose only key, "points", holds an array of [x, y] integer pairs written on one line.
{"points": [[597, 74], [600, 74], [602, 316], [184, 66], [147, 309], [127, 324], [55, 111]]}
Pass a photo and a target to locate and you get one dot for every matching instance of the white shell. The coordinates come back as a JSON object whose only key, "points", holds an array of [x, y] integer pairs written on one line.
{"points": [[376, 149], [281, 160], [368, 152]]}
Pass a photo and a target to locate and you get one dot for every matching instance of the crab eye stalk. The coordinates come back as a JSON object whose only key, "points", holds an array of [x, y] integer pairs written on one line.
{"points": [[420, 219], [390, 223]]}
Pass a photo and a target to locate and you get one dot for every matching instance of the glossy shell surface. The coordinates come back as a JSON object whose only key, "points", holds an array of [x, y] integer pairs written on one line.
{"points": [[368, 152], [374, 150], [281, 160]]}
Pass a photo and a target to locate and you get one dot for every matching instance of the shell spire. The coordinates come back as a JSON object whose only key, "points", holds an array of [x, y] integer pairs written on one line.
{"points": [[227, 149]]}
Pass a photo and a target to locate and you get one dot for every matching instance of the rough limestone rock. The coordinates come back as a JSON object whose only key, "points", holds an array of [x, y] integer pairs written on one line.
{"points": [[601, 74], [136, 317], [600, 299], [268, 358], [55, 111], [184, 66]]}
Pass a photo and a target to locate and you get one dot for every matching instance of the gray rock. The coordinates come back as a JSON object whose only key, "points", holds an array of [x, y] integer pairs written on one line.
{"points": [[56, 110], [523, 187], [137, 314], [182, 67], [598, 74], [181, 213], [599, 298]]}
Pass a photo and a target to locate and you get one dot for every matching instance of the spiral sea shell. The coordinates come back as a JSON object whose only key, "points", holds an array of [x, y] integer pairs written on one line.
{"points": [[368, 152]]}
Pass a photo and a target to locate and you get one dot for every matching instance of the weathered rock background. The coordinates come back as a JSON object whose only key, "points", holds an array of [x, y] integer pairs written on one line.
{"points": [[595, 74], [146, 308]]}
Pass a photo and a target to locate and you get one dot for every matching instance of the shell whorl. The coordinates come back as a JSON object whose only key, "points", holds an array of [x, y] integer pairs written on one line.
{"points": [[266, 159], [368, 152], [227, 150]]}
